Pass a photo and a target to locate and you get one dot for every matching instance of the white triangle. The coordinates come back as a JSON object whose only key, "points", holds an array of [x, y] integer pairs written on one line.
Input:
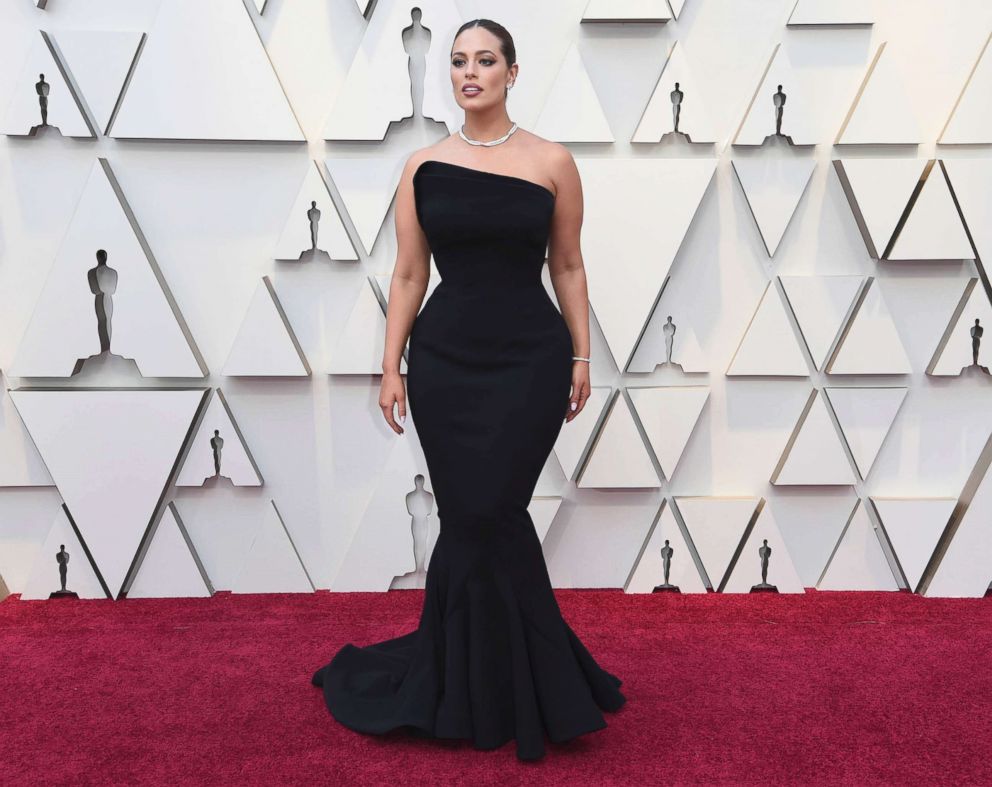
{"points": [[879, 189], [110, 453], [575, 435], [716, 525], [954, 353], [265, 345], [626, 11], [658, 118], [145, 324], [971, 180], [632, 206], [676, 6], [781, 570], [571, 111], [965, 570], [816, 455], [830, 12], [858, 562], [773, 187], [971, 119], [933, 230], [872, 344], [359, 347], [382, 546], [619, 459], [332, 237], [821, 306], [236, 462], [914, 526], [260, 6], [272, 565], [799, 121], [20, 463], [669, 415], [99, 62], [204, 74], [44, 577], [650, 568], [170, 567], [542, 510], [865, 416], [24, 110], [367, 187], [769, 346], [882, 112]]}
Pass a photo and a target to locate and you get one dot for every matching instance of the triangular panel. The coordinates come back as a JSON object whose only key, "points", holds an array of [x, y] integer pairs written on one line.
{"points": [[865, 416], [914, 525], [266, 345], [571, 110], [650, 568], [773, 187], [858, 562], [619, 459], [669, 415], [814, 453], [769, 346], [871, 344], [716, 525], [747, 569], [218, 441], [170, 567], [80, 576], [273, 564], [821, 306]]}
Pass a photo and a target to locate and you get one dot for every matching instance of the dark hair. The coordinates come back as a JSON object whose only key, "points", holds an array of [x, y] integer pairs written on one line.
{"points": [[506, 46]]}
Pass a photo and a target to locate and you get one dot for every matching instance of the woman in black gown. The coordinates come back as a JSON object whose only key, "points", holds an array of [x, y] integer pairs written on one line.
{"points": [[489, 375]]}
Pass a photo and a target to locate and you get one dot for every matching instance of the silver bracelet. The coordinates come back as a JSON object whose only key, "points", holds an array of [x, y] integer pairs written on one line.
{"points": [[580, 358]]}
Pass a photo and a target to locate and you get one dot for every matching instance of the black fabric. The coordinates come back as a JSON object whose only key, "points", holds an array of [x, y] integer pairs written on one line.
{"points": [[488, 384]]}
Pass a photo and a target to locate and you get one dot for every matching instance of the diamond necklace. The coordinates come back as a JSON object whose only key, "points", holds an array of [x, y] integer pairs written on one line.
{"points": [[499, 141]]}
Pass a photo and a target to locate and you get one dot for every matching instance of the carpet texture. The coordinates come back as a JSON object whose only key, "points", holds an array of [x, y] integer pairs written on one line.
{"points": [[823, 688]]}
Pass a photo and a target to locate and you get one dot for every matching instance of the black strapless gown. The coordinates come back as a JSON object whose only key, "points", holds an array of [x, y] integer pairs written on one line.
{"points": [[488, 384]]}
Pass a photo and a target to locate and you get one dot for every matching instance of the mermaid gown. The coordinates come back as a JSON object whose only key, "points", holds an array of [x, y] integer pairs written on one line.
{"points": [[488, 384]]}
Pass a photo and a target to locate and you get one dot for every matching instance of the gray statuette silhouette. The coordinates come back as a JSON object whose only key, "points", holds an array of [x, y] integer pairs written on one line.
{"points": [[43, 88], [976, 332], [666, 559], [669, 330], [216, 445], [778, 101], [676, 96], [62, 558], [765, 552], [419, 503], [314, 216], [103, 284]]}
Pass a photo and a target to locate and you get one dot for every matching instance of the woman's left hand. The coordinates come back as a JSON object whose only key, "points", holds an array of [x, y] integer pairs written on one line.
{"points": [[580, 389]]}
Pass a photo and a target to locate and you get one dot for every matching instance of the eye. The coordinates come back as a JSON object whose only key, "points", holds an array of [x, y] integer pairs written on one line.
{"points": [[457, 62], [487, 60]]}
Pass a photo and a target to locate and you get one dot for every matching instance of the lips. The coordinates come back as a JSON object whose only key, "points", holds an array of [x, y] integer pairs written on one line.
{"points": [[471, 90]]}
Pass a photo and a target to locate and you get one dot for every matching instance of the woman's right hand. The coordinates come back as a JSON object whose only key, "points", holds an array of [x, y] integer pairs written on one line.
{"points": [[392, 391]]}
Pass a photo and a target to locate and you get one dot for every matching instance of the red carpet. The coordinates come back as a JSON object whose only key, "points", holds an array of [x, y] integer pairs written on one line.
{"points": [[826, 688]]}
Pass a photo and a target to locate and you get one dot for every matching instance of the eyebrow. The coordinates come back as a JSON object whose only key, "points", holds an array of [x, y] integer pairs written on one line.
{"points": [[478, 52]]}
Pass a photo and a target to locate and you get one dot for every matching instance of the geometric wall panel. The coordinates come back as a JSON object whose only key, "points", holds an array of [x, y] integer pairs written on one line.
{"points": [[882, 113], [542, 512], [626, 11], [367, 188], [382, 546], [769, 346], [865, 416], [971, 182], [618, 458], [266, 345], [956, 351], [858, 562], [633, 206], [571, 111], [914, 525], [236, 463], [20, 464], [773, 187], [933, 230], [676, 6], [110, 454], [658, 117], [297, 240], [971, 119], [965, 570], [650, 568], [359, 346], [716, 525], [871, 344], [44, 576], [273, 564], [780, 570], [879, 191], [99, 62], [668, 415], [847, 13], [576, 435], [814, 453], [821, 306], [23, 113], [143, 321], [170, 567], [204, 75]]}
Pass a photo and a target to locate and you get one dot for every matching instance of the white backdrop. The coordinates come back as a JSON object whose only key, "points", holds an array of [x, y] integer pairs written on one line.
{"points": [[212, 214]]}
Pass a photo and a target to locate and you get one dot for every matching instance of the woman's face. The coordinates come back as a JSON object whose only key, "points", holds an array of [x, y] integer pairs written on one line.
{"points": [[476, 60]]}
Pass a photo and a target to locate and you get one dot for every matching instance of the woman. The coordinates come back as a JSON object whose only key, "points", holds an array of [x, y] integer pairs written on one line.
{"points": [[490, 366]]}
